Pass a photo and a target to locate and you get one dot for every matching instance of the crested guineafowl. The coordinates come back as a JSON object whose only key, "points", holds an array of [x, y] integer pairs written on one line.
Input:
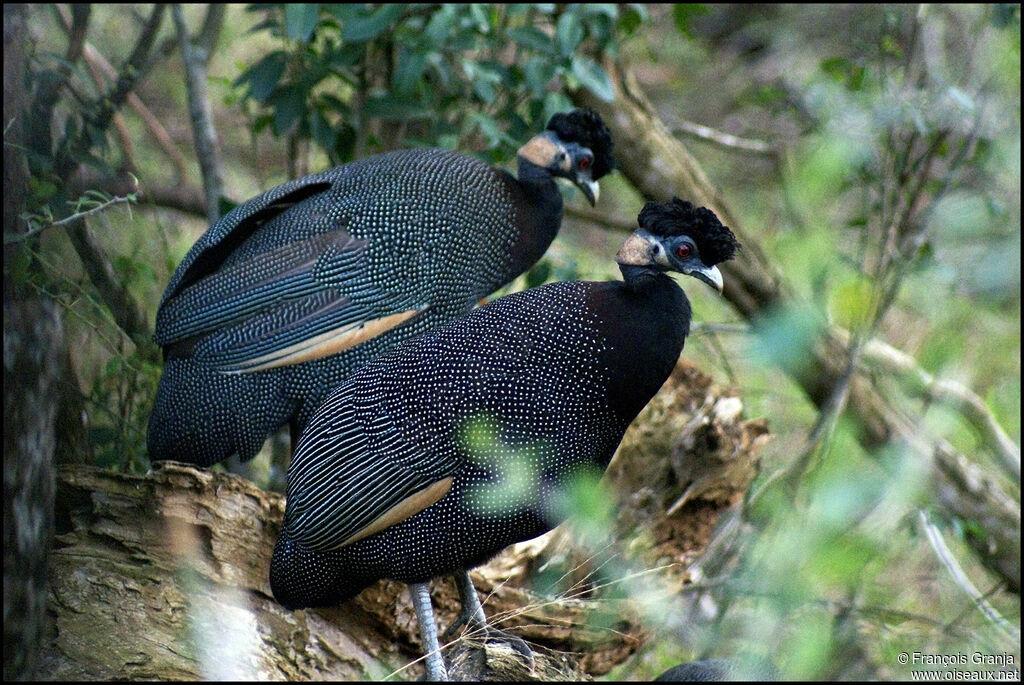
{"points": [[437, 455], [292, 291]]}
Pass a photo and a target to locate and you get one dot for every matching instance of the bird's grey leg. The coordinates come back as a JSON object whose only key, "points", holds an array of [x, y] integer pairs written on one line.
{"points": [[473, 614], [428, 630], [472, 610]]}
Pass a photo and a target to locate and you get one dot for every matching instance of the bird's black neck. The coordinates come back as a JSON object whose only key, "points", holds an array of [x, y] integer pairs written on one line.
{"points": [[646, 319], [538, 214]]}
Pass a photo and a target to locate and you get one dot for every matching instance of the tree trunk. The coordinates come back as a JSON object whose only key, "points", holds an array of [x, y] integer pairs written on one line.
{"points": [[32, 335]]}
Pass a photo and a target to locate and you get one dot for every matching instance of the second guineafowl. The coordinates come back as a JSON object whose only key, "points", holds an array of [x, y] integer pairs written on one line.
{"points": [[454, 445], [292, 291]]}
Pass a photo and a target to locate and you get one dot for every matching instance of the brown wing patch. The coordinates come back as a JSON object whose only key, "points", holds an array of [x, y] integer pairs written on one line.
{"points": [[328, 343], [408, 507]]}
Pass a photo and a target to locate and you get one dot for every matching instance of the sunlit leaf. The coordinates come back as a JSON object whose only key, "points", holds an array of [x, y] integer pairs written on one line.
{"points": [[362, 28], [300, 19], [569, 32], [531, 37], [593, 77], [851, 303]]}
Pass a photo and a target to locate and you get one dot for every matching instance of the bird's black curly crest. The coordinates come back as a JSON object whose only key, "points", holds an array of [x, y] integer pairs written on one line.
{"points": [[585, 126], [715, 242]]}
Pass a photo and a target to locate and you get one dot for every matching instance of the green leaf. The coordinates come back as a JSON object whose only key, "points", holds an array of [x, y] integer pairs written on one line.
{"points": [[408, 71], [365, 28], [322, 131], [540, 273], [593, 77], [570, 33], [485, 77], [289, 106], [684, 14], [390, 107], [489, 128], [480, 18], [532, 38], [538, 72], [300, 19], [440, 26], [554, 102], [608, 9], [263, 76]]}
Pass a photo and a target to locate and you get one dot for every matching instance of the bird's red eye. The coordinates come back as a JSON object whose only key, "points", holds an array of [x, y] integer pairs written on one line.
{"points": [[683, 251], [584, 163]]}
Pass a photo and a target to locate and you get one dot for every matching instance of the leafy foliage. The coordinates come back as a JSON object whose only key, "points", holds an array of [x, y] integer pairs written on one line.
{"points": [[355, 79]]}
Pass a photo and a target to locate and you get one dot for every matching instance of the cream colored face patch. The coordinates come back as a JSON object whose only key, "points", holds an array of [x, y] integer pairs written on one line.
{"points": [[636, 251], [326, 344], [541, 151], [408, 507]]}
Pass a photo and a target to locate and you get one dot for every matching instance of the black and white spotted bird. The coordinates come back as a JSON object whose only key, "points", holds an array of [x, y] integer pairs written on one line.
{"points": [[460, 442], [292, 291]]}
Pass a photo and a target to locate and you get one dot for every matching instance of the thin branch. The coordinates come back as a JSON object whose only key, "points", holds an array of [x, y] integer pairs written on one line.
{"points": [[599, 218], [948, 560], [712, 328], [99, 117], [195, 58], [69, 219], [820, 436], [722, 139], [950, 393], [182, 197], [886, 614], [97, 61], [126, 311], [49, 89], [209, 32]]}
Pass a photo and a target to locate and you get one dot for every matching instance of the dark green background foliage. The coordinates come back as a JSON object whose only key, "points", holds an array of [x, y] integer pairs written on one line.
{"points": [[444, 74]]}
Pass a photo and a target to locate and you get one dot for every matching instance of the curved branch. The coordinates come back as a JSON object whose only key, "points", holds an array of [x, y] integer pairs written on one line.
{"points": [[959, 397], [72, 151], [659, 164], [98, 63]]}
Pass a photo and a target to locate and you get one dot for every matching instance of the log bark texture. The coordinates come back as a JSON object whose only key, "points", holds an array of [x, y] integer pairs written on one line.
{"points": [[165, 575]]}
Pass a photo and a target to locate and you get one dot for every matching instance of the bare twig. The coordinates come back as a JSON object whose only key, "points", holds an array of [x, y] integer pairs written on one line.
{"points": [[879, 612], [49, 90], [97, 62], [72, 151], [722, 139], [711, 328], [183, 197], [209, 32], [69, 219], [948, 560], [126, 311], [599, 218], [971, 407]]}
